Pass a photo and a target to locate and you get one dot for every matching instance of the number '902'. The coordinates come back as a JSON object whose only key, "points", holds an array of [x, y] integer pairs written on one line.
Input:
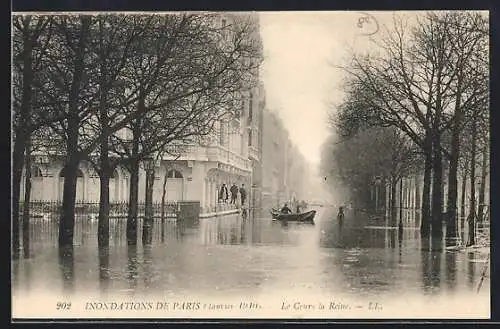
{"points": [[63, 306]]}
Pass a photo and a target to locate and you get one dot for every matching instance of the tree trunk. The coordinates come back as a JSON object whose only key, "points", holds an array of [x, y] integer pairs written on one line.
{"points": [[104, 163], [393, 201], [103, 225], [163, 196], [21, 137], [104, 269], [17, 173], [67, 222], [133, 203], [471, 220], [104, 175], [426, 191], [462, 204], [147, 224], [27, 200], [401, 203], [417, 198], [134, 186], [387, 199], [451, 211], [482, 189], [437, 184]]}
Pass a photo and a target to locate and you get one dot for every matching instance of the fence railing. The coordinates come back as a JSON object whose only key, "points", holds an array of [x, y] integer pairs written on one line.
{"points": [[43, 208]]}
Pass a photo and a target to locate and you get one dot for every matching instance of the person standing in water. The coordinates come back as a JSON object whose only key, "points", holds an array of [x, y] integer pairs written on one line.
{"points": [[340, 215]]}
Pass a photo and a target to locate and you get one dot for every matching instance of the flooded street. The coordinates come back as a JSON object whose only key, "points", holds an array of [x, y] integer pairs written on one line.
{"points": [[229, 257]]}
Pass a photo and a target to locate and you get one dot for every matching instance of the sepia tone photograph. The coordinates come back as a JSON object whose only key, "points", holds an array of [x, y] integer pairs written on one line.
{"points": [[250, 165]]}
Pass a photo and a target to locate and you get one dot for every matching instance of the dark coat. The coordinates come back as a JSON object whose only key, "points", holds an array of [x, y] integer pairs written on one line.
{"points": [[234, 189], [223, 193]]}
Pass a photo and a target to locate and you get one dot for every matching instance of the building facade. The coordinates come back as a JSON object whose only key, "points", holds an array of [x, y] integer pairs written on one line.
{"points": [[283, 166], [231, 155]]}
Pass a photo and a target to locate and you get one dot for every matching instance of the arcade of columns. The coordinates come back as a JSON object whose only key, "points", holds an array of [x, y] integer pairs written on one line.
{"points": [[223, 174]]}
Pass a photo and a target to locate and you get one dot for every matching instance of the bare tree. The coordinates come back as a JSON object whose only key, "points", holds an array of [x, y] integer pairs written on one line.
{"points": [[412, 85], [30, 42]]}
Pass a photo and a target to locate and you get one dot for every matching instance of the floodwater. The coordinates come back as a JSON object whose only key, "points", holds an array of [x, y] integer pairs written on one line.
{"points": [[229, 257]]}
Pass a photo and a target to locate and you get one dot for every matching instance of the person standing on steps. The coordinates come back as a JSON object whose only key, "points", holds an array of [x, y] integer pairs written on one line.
{"points": [[243, 194], [234, 193], [223, 195]]}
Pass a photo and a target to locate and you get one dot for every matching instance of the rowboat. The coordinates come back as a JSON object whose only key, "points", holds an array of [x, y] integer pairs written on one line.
{"points": [[307, 217]]}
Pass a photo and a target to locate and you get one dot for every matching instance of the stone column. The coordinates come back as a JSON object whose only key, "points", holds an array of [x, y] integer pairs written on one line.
{"points": [[212, 193], [215, 185], [209, 199], [203, 193], [53, 187]]}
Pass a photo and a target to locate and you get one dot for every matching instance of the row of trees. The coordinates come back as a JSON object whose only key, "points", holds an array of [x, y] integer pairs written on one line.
{"points": [[117, 90], [419, 101]]}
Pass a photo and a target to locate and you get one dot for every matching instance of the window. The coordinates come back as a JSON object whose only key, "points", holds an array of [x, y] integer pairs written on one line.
{"points": [[250, 137], [174, 174]]}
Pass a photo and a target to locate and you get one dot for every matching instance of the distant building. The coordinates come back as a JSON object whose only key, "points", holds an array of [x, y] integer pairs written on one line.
{"points": [[255, 140], [283, 165]]}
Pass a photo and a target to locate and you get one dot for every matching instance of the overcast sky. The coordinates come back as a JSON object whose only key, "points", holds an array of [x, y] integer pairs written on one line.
{"points": [[300, 49]]}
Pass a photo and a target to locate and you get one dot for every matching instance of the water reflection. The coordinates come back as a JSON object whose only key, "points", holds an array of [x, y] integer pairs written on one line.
{"points": [[436, 270], [400, 247], [353, 234], [104, 269], [15, 271], [235, 231], [451, 269], [247, 256], [26, 241], [471, 269], [147, 261], [132, 267], [392, 236], [425, 261], [162, 231], [67, 266]]}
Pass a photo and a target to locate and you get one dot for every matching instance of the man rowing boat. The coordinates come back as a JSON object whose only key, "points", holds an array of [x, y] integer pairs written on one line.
{"points": [[285, 209]]}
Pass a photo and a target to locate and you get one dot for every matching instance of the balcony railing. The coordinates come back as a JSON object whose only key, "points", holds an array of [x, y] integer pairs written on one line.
{"points": [[223, 155], [208, 153]]}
